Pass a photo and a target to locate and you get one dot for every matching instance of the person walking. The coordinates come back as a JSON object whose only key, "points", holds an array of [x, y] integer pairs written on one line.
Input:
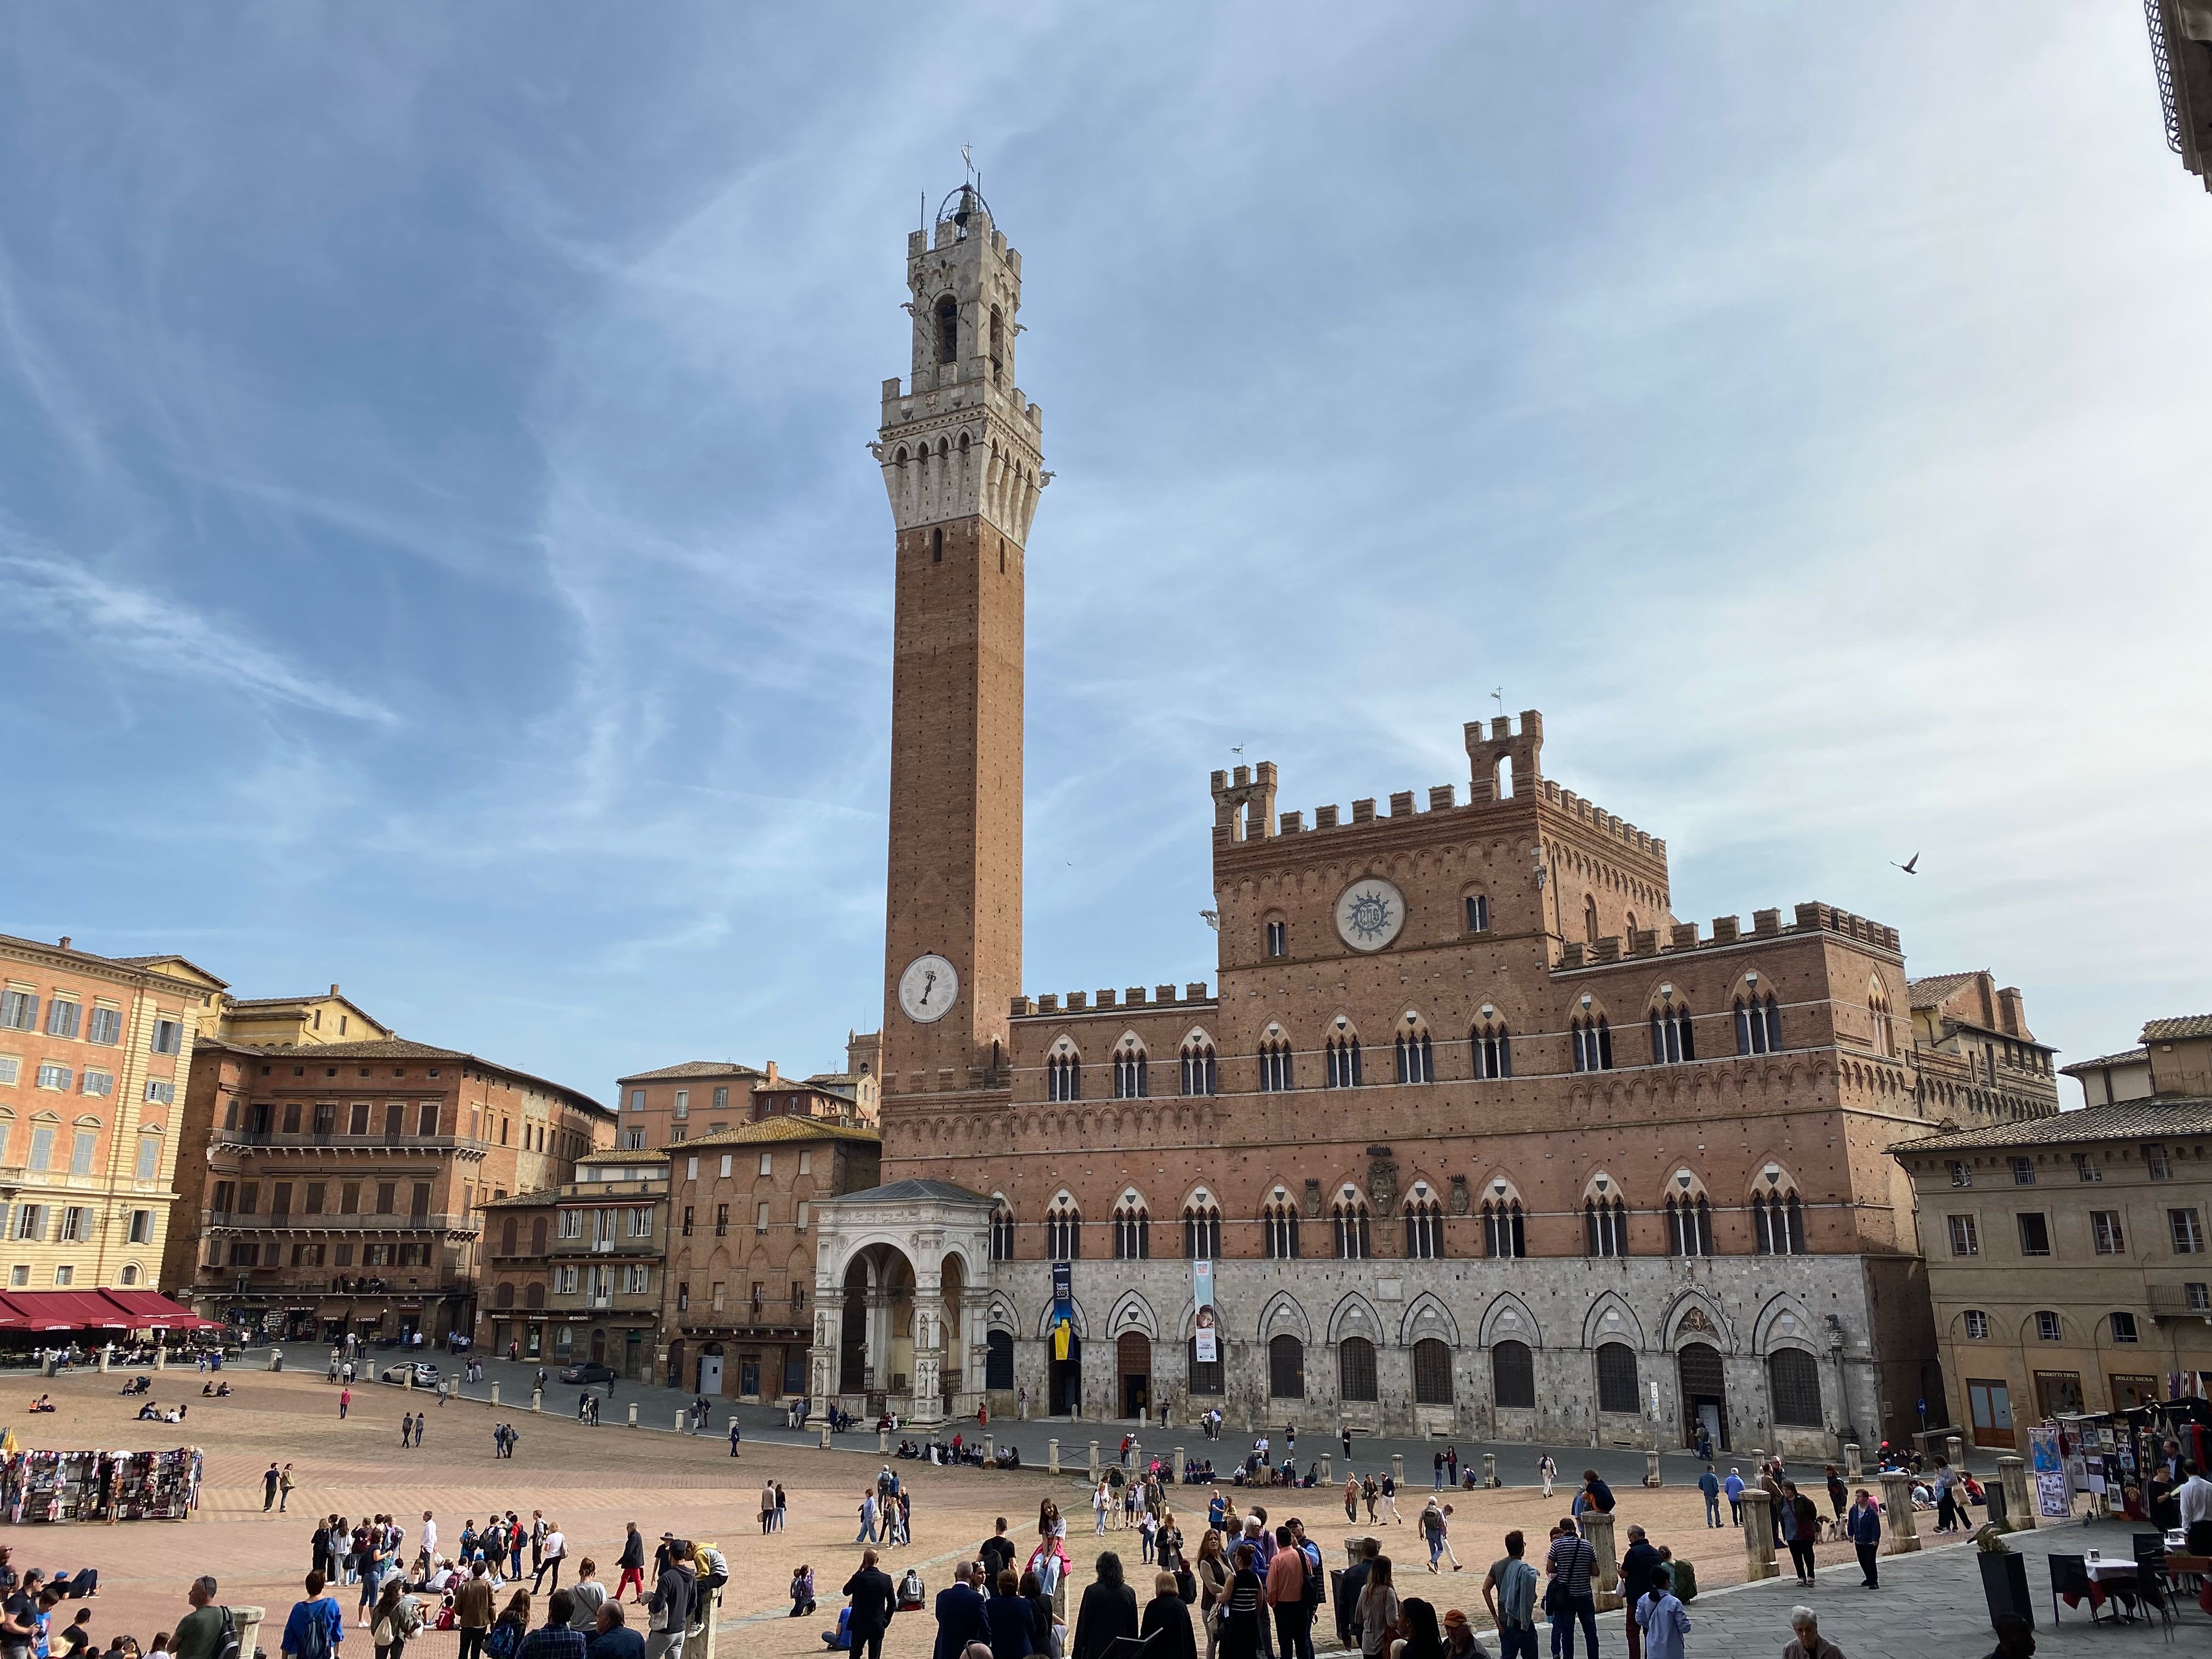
{"points": [[551, 1552], [1838, 1494], [1710, 1484], [315, 1627], [1798, 1520], [1438, 1460], [1946, 1496], [1863, 1526], [1451, 1466], [875, 1600], [1734, 1487], [631, 1563], [269, 1489], [1286, 1595], [396, 1617], [1638, 1563], [1509, 1591], [472, 1611], [422, 1422], [783, 1506], [1390, 1497], [1546, 1470], [345, 1402], [1570, 1562], [1659, 1616], [734, 1436], [406, 1429], [1375, 1619]]}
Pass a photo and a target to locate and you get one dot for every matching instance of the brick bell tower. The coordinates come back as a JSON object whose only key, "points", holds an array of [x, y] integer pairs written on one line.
{"points": [[959, 448]]}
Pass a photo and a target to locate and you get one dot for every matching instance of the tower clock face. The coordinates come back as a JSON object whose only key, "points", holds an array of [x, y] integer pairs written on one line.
{"points": [[1369, 914], [928, 988]]}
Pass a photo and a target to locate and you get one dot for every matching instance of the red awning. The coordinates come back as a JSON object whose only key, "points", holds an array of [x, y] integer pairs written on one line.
{"points": [[67, 1310], [149, 1310]]}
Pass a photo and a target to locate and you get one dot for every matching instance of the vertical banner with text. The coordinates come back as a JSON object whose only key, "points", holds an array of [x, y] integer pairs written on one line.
{"points": [[1207, 1348], [1063, 1308]]}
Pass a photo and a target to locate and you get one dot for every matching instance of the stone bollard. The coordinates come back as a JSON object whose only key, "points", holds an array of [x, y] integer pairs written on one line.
{"points": [[1954, 1451], [1351, 1546], [1327, 1471], [1853, 1468], [1490, 1471], [276, 1359], [537, 1400], [991, 1449], [248, 1621], [1651, 1469], [1135, 1460], [161, 1359], [633, 1413], [1899, 1536], [1398, 1469], [883, 1438], [106, 1354], [825, 1436], [1597, 1527], [1052, 1457], [2020, 1502], [681, 1418], [1758, 1534], [407, 1380], [1179, 1463], [1094, 1462], [494, 1396]]}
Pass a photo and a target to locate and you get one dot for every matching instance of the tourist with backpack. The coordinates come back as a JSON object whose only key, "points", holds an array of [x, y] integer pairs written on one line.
{"points": [[505, 1639], [208, 1631], [316, 1625], [398, 1616]]}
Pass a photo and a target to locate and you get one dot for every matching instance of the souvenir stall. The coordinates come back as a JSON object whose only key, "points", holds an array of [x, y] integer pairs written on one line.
{"points": [[100, 1485]]}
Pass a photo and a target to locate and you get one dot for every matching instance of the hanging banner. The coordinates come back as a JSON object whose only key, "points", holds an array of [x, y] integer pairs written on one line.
{"points": [[1063, 1308], [1207, 1346]]}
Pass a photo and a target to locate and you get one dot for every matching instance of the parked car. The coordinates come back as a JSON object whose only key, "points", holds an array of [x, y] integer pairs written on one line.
{"points": [[426, 1374], [589, 1371]]}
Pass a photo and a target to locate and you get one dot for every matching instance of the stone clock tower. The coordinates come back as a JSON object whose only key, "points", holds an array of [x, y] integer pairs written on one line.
{"points": [[960, 454]]}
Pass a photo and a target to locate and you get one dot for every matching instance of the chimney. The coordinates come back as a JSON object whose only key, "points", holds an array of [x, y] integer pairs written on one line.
{"points": [[65, 944], [772, 1077], [334, 990], [2012, 1019]]}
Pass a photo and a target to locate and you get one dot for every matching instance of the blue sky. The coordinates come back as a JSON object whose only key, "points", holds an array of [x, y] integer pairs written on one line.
{"points": [[438, 554]]}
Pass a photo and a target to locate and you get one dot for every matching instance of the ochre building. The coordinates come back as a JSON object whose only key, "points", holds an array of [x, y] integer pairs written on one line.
{"points": [[1473, 1135]]}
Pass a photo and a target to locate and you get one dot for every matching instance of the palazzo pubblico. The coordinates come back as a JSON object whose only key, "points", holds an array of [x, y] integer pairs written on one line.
{"points": [[1471, 1136]]}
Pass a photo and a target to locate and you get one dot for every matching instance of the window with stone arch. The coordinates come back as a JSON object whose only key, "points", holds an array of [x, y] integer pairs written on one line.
{"points": [[1778, 1219], [1491, 1046], [1793, 1384], [998, 346], [1504, 1230], [1605, 1219], [1287, 1368], [1063, 1231], [1349, 1213], [1885, 1032], [1063, 1072], [1130, 1081], [1355, 1370], [1002, 1228], [1758, 1019], [1133, 1229], [1513, 1375], [1199, 1071], [1202, 1228], [1415, 1055], [1276, 1076], [1689, 1217], [1279, 1227], [1590, 918], [1590, 1037], [1617, 1389], [1424, 1224], [1432, 1372], [1674, 1039], [1477, 909], [1340, 1056], [948, 329]]}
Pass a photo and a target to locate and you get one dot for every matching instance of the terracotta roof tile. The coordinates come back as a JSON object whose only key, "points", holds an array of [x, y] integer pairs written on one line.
{"points": [[2129, 1120], [1929, 992], [2168, 1031], [695, 1069]]}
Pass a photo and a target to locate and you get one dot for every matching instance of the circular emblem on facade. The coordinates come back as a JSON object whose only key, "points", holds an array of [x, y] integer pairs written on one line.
{"points": [[1369, 914], [928, 988]]}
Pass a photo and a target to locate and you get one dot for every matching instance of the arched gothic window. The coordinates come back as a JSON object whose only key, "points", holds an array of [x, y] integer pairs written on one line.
{"points": [[1504, 1236], [1425, 1230], [1279, 1226], [1758, 1025], [1353, 1243], [1605, 1226], [1201, 1233], [1593, 1043], [1792, 1382], [1063, 1232], [1275, 1076], [1885, 1034], [998, 346], [1493, 1051], [1778, 1224], [1198, 1068], [1672, 1038], [1287, 1368], [1513, 1375], [1063, 1076], [1002, 1233], [1355, 1370], [1130, 1082], [1478, 912], [1133, 1233], [1689, 1225], [1343, 1062], [1590, 919], [948, 329], [1417, 1059]]}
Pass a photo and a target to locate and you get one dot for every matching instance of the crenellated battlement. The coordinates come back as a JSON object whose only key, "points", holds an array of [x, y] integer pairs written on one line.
{"points": [[1506, 761], [1728, 931], [1606, 824], [1110, 1001], [1244, 804]]}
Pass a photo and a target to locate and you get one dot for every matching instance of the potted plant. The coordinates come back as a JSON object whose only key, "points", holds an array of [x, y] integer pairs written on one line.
{"points": [[2004, 1576]]}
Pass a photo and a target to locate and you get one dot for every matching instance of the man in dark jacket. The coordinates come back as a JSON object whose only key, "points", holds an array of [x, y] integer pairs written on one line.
{"points": [[874, 1599], [1348, 1588], [960, 1616], [1108, 1613], [1637, 1562]]}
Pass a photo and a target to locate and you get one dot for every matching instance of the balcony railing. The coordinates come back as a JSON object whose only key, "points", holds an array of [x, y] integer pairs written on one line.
{"points": [[235, 1221], [2180, 1302], [369, 1140], [218, 1283]]}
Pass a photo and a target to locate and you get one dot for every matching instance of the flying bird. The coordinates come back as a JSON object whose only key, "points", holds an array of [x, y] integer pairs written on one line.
{"points": [[1907, 865]]}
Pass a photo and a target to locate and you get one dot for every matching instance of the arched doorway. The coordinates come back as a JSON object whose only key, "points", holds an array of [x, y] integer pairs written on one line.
{"points": [[599, 1346], [1704, 1393], [1064, 1380], [875, 1337], [999, 1362], [1132, 1363], [676, 1365], [710, 1369]]}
